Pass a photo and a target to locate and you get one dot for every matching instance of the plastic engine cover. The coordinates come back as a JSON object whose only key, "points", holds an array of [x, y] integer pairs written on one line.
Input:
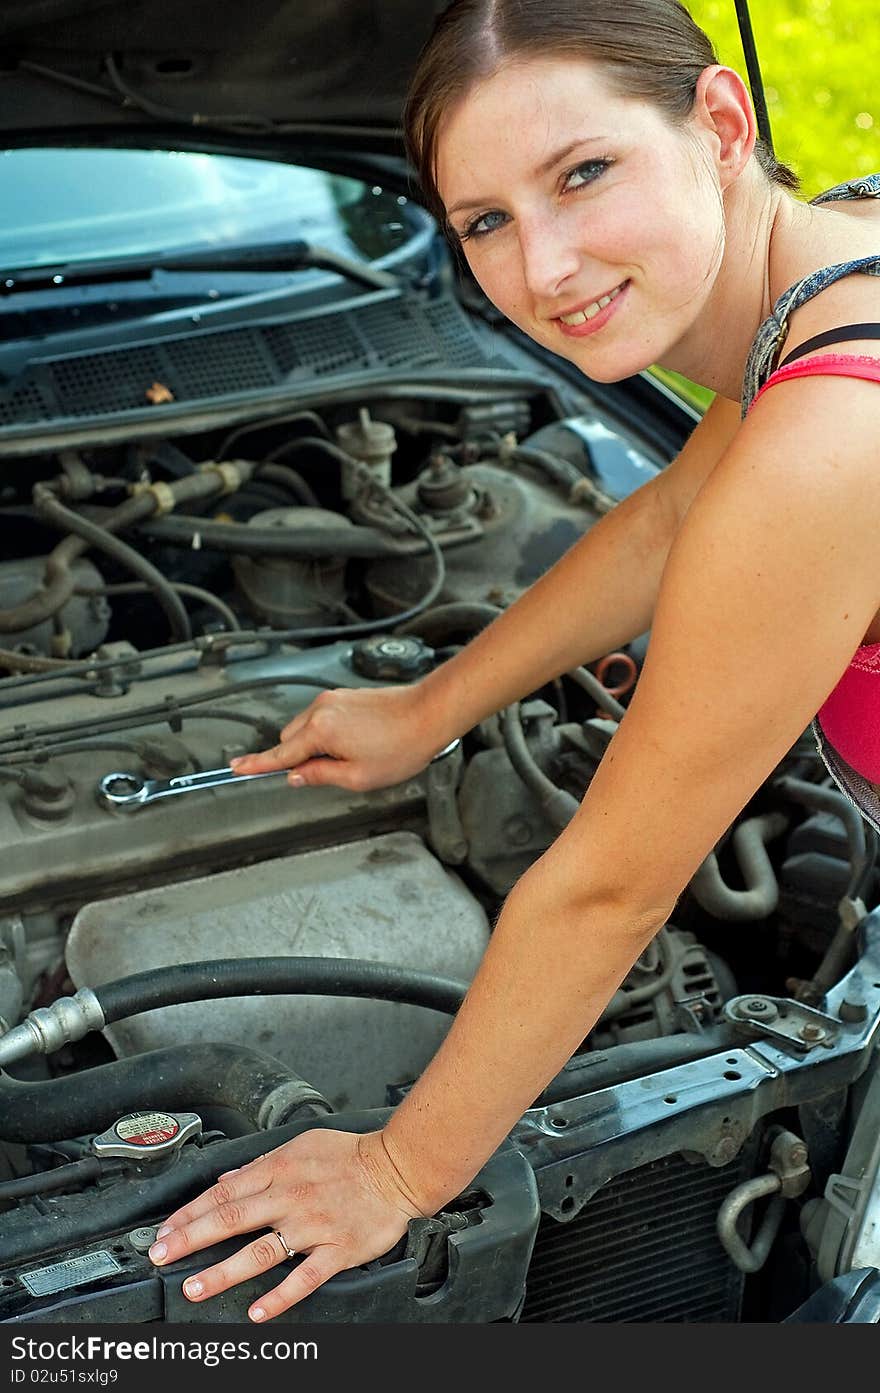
{"points": [[386, 899]]}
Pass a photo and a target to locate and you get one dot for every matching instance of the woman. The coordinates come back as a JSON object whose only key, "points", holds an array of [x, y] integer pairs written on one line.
{"points": [[601, 175]]}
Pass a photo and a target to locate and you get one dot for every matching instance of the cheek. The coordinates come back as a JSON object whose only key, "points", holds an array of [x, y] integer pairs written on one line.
{"points": [[498, 274]]}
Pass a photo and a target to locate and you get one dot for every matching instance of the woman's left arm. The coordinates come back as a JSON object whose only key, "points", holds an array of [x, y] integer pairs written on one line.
{"points": [[766, 594]]}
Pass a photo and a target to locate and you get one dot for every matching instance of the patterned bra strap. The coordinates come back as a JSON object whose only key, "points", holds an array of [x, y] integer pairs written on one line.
{"points": [[828, 365], [839, 335]]}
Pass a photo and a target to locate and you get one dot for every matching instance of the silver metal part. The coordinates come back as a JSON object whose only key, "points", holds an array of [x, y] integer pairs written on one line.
{"points": [[445, 831], [50, 1027], [385, 899], [710, 1106], [129, 791], [791, 1023], [846, 1226], [751, 1257], [788, 1177], [147, 1136]]}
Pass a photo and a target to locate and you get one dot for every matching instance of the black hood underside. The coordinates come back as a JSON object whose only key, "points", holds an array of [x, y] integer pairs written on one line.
{"points": [[113, 68]]}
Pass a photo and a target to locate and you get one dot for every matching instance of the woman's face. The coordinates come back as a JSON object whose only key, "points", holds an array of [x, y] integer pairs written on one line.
{"points": [[564, 194]]}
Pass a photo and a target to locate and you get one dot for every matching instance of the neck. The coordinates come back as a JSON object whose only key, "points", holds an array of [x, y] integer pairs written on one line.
{"points": [[758, 220]]}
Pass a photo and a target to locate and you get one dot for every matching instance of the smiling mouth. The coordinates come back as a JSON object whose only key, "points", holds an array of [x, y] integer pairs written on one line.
{"points": [[590, 311]]}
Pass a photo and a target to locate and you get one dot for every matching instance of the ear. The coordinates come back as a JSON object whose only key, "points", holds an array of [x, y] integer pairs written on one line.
{"points": [[723, 112]]}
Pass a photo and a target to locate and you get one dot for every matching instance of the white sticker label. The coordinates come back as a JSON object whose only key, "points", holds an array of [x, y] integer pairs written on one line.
{"points": [[74, 1272], [147, 1128]]}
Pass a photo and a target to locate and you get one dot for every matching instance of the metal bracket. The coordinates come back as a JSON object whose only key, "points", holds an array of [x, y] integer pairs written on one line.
{"points": [[445, 831], [788, 1023]]}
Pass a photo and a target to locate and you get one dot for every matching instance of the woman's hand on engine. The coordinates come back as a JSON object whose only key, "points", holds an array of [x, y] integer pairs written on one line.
{"points": [[335, 1197], [356, 738]]}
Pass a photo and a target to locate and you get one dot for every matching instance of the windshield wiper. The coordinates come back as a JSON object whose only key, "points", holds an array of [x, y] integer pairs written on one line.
{"points": [[262, 257]]}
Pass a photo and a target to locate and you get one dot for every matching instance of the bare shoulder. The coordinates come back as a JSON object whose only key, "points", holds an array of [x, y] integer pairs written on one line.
{"points": [[844, 231]]}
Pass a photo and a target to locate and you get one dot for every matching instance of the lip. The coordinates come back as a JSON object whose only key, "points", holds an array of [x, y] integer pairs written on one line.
{"points": [[591, 326]]}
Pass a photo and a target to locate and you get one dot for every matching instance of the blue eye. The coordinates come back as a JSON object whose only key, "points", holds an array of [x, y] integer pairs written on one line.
{"points": [[585, 173], [483, 225]]}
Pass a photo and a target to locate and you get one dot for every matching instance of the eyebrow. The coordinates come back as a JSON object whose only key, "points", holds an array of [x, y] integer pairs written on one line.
{"points": [[543, 168]]}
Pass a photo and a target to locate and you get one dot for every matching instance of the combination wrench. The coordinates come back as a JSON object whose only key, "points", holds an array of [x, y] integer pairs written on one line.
{"points": [[128, 791]]}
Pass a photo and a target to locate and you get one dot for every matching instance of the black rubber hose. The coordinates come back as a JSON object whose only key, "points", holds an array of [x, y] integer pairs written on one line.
{"points": [[257, 1086], [94, 535], [558, 471], [266, 423], [290, 480], [28, 1232], [59, 581], [586, 1073], [460, 616], [207, 981], [72, 1176], [559, 805], [831, 800], [305, 543]]}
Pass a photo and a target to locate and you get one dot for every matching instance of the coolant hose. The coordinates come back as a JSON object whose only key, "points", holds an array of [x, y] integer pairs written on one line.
{"points": [[258, 1087], [587, 1073], [206, 981], [761, 896], [70, 1018], [831, 800]]}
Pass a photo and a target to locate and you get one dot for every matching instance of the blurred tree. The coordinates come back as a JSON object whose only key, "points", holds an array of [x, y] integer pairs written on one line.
{"points": [[819, 60]]}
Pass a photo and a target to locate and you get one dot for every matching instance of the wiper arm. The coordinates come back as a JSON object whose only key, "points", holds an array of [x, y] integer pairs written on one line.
{"points": [[262, 257]]}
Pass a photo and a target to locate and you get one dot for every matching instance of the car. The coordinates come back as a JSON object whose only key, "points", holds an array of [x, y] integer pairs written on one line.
{"points": [[261, 435]]}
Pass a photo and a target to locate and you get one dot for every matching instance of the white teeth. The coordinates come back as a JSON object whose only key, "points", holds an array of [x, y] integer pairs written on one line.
{"points": [[581, 316]]}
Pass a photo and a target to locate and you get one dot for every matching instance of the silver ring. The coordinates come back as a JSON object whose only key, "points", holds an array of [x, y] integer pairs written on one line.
{"points": [[290, 1252]]}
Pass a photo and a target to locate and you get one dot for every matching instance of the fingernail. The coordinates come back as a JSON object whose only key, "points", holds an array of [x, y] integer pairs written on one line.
{"points": [[295, 779], [193, 1287], [257, 1313], [158, 1252], [164, 1231]]}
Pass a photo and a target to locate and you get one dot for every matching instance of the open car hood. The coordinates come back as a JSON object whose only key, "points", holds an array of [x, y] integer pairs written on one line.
{"points": [[80, 70]]}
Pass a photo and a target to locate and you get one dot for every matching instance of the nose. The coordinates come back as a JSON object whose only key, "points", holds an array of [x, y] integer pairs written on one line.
{"points": [[550, 256]]}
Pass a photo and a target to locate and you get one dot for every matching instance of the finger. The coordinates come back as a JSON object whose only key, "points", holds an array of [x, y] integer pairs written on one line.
{"points": [[265, 762], [314, 773], [286, 754], [251, 1180], [237, 1216], [263, 1254], [322, 1263]]}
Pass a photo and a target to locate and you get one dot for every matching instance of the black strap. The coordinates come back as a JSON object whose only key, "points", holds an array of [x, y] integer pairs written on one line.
{"points": [[841, 335]]}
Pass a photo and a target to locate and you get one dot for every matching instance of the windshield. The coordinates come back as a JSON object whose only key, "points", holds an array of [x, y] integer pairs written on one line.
{"points": [[84, 205]]}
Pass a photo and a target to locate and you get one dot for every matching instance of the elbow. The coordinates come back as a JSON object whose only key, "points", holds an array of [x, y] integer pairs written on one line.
{"points": [[554, 889]]}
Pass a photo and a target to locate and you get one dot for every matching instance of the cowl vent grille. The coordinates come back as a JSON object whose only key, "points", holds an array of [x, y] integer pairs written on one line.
{"points": [[202, 366]]}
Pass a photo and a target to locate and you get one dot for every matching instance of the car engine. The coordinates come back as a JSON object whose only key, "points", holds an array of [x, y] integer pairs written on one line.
{"points": [[195, 966]]}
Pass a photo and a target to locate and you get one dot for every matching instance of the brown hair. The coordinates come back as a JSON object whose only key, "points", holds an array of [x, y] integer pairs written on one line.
{"points": [[649, 48]]}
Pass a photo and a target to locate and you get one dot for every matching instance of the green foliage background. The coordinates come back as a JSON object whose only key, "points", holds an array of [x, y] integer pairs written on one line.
{"points": [[820, 62]]}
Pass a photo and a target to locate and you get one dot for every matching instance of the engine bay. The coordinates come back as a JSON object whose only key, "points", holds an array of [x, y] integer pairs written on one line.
{"points": [[171, 601]]}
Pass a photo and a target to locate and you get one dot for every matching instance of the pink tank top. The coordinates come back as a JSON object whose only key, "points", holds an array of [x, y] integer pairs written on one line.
{"points": [[850, 717]]}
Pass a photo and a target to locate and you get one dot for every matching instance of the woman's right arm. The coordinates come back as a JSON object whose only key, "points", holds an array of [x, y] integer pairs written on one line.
{"points": [[597, 597]]}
